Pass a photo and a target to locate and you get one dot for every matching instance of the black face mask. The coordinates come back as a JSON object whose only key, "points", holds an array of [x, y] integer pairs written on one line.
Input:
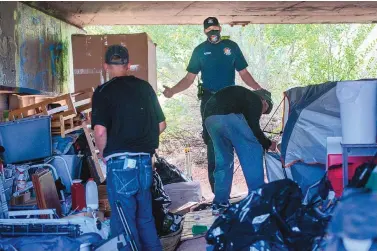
{"points": [[213, 36]]}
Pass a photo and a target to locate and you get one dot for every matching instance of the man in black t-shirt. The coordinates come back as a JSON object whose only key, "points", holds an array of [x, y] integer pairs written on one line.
{"points": [[232, 119], [127, 120]]}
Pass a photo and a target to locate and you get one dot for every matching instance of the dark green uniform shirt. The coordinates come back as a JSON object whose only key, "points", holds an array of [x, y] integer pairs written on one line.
{"points": [[239, 100], [217, 63]]}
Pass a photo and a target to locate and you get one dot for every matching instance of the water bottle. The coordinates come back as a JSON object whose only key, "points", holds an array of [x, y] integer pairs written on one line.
{"points": [[91, 194], [21, 179]]}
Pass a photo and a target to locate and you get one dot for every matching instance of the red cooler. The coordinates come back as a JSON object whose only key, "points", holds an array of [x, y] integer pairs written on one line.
{"points": [[335, 172]]}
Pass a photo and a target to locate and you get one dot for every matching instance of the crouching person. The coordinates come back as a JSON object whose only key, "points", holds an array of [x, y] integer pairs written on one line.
{"points": [[232, 119], [127, 120]]}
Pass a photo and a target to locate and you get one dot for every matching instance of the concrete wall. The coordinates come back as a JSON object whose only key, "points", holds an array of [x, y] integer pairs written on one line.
{"points": [[35, 49]]}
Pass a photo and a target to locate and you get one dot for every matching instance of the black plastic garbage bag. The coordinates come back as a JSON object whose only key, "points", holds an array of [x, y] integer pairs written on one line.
{"points": [[362, 175], [306, 229], [160, 202], [169, 173], [159, 195], [318, 191], [259, 217], [270, 218]]}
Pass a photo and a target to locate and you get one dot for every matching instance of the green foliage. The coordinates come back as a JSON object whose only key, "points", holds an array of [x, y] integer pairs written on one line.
{"points": [[279, 57]]}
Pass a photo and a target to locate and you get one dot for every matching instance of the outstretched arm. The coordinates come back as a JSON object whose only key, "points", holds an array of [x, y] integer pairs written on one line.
{"points": [[182, 85]]}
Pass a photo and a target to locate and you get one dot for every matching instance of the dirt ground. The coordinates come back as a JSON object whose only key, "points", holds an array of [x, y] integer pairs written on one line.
{"points": [[172, 149], [199, 173]]}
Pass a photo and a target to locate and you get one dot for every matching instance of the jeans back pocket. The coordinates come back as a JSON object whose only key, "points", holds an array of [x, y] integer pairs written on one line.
{"points": [[125, 181]]}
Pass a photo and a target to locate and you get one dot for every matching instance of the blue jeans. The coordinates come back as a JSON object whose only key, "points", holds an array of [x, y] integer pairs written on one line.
{"points": [[228, 133], [132, 187]]}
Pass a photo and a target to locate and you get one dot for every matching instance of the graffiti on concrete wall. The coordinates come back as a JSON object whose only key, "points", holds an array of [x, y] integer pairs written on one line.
{"points": [[7, 44], [36, 47], [43, 58]]}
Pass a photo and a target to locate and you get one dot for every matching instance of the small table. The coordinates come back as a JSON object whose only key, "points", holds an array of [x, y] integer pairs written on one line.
{"points": [[354, 150]]}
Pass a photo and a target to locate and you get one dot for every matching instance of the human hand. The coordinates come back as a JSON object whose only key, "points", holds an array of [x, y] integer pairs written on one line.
{"points": [[168, 93], [273, 146], [100, 156]]}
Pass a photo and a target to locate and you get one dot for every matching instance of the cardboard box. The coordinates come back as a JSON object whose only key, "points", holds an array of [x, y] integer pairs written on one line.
{"points": [[183, 192], [102, 192], [89, 51], [21, 199]]}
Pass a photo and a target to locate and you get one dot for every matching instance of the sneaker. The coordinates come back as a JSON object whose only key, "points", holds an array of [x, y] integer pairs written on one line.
{"points": [[219, 208]]}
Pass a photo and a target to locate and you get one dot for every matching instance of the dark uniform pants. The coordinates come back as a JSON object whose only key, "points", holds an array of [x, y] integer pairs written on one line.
{"points": [[207, 140]]}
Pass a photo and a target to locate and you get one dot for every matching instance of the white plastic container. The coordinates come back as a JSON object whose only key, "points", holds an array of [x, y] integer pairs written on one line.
{"points": [[85, 247], [91, 194], [358, 111]]}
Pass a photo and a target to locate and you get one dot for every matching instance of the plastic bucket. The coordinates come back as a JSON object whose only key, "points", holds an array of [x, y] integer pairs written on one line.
{"points": [[358, 111]]}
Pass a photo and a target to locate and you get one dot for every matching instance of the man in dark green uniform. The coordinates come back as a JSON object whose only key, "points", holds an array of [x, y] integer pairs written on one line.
{"points": [[217, 60]]}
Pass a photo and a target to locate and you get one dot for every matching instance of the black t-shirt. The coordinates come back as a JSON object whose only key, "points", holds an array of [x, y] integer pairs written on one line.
{"points": [[239, 100], [129, 109]]}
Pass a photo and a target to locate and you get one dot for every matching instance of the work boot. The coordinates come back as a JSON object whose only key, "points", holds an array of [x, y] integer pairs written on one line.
{"points": [[219, 208]]}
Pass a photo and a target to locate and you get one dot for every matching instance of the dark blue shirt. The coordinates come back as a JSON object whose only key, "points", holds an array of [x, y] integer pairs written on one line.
{"points": [[217, 63]]}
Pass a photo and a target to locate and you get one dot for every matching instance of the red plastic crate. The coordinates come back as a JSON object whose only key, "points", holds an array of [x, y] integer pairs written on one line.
{"points": [[335, 172]]}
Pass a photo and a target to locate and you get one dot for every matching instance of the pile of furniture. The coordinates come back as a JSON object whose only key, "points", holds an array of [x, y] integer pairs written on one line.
{"points": [[66, 111], [69, 113]]}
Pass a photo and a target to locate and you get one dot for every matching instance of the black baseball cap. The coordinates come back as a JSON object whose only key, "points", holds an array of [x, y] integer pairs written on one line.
{"points": [[210, 21], [117, 51], [266, 95]]}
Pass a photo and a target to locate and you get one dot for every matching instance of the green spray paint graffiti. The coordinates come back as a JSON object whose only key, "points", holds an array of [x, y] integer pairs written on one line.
{"points": [[55, 52], [43, 57], [59, 62]]}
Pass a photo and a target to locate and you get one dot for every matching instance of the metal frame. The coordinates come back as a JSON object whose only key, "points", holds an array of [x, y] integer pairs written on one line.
{"points": [[28, 213], [354, 150]]}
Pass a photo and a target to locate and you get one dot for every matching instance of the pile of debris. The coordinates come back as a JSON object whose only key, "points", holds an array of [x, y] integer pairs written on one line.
{"points": [[47, 150]]}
